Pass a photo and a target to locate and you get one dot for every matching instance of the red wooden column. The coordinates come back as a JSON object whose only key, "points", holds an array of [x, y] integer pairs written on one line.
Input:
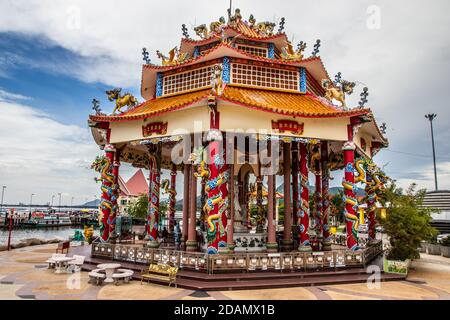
{"points": [[326, 242], [191, 243], [303, 220], [349, 195], [172, 197], [295, 193], [287, 233], [187, 181], [230, 227]]}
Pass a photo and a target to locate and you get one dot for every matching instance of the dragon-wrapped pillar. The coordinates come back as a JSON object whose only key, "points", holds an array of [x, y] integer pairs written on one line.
{"points": [[287, 232], [172, 197], [191, 243], [153, 214], [260, 220], [303, 217], [216, 187], [349, 196], [326, 242], [372, 185], [295, 193], [108, 205]]}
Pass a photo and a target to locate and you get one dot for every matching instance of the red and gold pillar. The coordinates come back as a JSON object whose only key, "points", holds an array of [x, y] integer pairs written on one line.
{"points": [[271, 245], [259, 204], [106, 204], [349, 196], [230, 231], [287, 233], [153, 215], [191, 243], [216, 186], [318, 204], [371, 206], [303, 219], [115, 195], [172, 197], [187, 179], [326, 241], [295, 193]]}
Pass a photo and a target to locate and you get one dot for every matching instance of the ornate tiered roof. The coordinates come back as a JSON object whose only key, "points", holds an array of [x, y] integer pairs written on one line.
{"points": [[259, 69]]}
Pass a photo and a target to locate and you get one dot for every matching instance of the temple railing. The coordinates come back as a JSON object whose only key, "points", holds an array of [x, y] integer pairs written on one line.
{"points": [[244, 262]]}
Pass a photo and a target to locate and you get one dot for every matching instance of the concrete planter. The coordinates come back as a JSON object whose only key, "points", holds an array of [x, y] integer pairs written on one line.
{"points": [[423, 247], [396, 266], [445, 251], [434, 249]]}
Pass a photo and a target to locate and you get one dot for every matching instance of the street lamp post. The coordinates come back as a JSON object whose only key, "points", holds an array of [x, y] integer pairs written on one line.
{"points": [[1, 204], [431, 117], [31, 202], [53, 197], [59, 206]]}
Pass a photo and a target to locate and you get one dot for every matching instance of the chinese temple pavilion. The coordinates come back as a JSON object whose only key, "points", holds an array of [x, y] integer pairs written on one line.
{"points": [[231, 110]]}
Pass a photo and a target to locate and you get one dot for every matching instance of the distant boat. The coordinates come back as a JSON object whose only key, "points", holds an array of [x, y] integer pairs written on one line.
{"points": [[48, 220]]}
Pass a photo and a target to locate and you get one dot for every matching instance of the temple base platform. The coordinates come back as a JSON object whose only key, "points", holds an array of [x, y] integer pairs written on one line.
{"points": [[237, 271]]}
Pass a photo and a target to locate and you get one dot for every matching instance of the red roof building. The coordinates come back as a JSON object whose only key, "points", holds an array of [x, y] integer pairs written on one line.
{"points": [[131, 189]]}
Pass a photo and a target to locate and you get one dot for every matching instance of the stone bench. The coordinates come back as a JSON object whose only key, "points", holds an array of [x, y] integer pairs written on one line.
{"points": [[123, 275], [96, 276]]}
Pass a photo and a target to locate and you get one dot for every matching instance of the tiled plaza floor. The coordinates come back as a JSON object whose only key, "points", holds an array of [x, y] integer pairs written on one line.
{"points": [[23, 275]]}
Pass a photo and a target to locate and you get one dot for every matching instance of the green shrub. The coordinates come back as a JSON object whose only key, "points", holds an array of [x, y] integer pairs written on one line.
{"points": [[407, 222]]}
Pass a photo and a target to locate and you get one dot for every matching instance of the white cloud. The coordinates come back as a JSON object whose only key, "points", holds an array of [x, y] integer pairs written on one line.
{"points": [[42, 156], [9, 96]]}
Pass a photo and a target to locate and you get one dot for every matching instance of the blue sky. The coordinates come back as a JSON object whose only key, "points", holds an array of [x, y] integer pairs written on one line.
{"points": [[56, 56]]}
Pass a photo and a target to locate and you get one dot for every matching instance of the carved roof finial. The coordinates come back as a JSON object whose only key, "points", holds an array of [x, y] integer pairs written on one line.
{"points": [[281, 26], [316, 48], [363, 96], [145, 56], [184, 29], [96, 107]]}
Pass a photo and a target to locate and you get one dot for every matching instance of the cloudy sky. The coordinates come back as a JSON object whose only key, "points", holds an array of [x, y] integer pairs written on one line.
{"points": [[55, 56]]}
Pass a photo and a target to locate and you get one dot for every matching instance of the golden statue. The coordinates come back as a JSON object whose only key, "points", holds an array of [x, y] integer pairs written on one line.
{"points": [[265, 28], [214, 28], [233, 20], [338, 94], [202, 31], [175, 57], [251, 21], [288, 53], [121, 100], [88, 232], [217, 84]]}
